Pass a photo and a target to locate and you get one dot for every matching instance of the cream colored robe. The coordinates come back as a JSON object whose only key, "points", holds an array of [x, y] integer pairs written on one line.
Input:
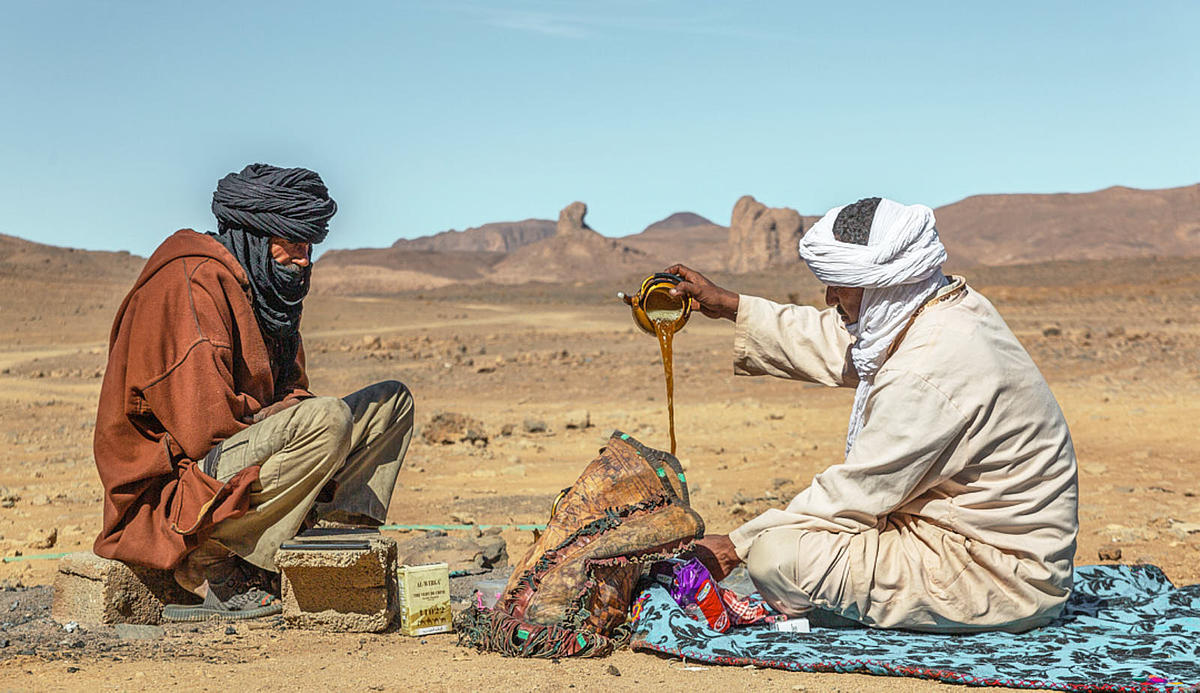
{"points": [[956, 509]]}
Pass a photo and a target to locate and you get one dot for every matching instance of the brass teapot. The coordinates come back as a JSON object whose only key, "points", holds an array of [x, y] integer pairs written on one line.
{"points": [[654, 303]]}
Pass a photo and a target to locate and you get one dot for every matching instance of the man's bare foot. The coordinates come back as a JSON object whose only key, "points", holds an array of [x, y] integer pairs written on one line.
{"points": [[213, 566], [208, 561]]}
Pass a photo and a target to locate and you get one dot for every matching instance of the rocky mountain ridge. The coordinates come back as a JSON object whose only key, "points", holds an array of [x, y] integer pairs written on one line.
{"points": [[1006, 229]]}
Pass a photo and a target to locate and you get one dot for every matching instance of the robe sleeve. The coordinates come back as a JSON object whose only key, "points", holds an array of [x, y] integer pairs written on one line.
{"points": [[185, 360], [907, 446], [794, 342]]}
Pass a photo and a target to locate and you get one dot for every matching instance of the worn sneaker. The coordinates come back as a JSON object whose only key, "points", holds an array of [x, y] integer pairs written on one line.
{"points": [[253, 603], [238, 591]]}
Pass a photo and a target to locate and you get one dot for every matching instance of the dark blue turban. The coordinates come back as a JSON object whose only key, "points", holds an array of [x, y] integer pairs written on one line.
{"points": [[291, 203]]}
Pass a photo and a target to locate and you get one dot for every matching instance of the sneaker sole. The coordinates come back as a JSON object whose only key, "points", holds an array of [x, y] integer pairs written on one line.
{"points": [[183, 614]]}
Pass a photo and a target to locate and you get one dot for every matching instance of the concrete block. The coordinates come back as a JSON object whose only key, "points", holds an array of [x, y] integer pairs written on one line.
{"points": [[95, 590], [340, 589]]}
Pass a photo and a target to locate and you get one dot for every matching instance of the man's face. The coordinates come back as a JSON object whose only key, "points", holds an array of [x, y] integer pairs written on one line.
{"points": [[291, 253], [848, 301]]}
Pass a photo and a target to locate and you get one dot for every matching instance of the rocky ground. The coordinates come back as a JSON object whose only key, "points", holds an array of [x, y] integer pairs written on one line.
{"points": [[1118, 343]]}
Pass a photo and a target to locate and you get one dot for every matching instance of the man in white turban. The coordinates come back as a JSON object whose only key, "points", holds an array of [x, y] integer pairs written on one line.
{"points": [[955, 509]]}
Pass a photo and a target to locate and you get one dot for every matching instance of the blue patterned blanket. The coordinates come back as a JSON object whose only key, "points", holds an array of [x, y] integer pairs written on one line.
{"points": [[1125, 628]]}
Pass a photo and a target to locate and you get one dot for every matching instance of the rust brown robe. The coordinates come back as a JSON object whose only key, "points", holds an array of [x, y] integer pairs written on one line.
{"points": [[187, 368]]}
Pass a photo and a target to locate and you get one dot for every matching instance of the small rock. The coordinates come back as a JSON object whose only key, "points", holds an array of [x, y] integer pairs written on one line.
{"points": [[70, 626], [580, 418], [1110, 553], [40, 499], [534, 426], [507, 429], [129, 631], [613, 671], [446, 428], [72, 670], [1184, 529], [43, 538], [230, 630], [495, 551], [3, 643], [1051, 331], [1120, 534], [462, 518], [459, 553], [372, 342]]}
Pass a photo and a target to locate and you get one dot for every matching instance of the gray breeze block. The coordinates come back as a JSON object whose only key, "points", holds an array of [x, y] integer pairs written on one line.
{"points": [[340, 589], [95, 590]]}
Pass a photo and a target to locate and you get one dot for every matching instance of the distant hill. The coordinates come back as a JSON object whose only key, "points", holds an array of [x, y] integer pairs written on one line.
{"points": [[22, 259], [428, 262], [677, 222], [500, 237], [44, 286], [576, 253], [388, 270], [1108, 224], [683, 237]]}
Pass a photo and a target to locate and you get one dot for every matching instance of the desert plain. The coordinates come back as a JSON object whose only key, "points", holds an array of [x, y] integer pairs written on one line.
{"points": [[1118, 340]]}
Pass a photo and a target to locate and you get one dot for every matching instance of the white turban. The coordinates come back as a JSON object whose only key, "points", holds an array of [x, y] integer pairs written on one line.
{"points": [[900, 268]]}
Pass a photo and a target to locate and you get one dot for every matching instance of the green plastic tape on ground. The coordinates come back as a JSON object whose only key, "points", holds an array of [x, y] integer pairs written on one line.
{"points": [[35, 557], [424, 528]]}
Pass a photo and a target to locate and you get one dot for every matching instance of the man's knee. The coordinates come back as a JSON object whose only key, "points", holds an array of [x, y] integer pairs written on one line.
{"points": [[772, 562], [397, 392], [392, 399], [324, 421], [772, 558]]}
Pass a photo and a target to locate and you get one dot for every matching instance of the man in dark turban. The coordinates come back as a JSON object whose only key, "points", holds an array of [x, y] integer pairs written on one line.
{"points": [[211, 449]]}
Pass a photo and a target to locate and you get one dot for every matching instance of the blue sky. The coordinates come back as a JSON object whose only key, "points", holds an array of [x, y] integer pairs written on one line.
{"points": [[119, 117]]}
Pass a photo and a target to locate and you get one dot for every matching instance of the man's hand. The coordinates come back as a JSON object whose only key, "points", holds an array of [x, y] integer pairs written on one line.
{"points": [[711, 299], [717, 554], [274, 409]]}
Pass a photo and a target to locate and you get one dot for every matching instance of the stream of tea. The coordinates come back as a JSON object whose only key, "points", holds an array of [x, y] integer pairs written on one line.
{"points": [[665, 331], [665, 312]]}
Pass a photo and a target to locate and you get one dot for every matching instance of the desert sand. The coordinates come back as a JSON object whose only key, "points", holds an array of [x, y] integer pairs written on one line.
{"points": [[1118, 342]]}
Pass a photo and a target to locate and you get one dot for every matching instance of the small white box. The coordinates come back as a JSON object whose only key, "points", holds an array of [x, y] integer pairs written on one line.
{"points": [[792, 625]]}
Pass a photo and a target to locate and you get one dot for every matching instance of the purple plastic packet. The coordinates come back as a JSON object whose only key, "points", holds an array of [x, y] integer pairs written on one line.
{"points": [[691, 585]]}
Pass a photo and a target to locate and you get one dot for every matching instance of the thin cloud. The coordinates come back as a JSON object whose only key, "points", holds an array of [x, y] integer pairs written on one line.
{"points": [[629, 18], [541, 23]]}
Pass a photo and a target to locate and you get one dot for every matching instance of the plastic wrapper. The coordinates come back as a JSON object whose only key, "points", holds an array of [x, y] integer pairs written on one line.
{"points": [[692, 587]]}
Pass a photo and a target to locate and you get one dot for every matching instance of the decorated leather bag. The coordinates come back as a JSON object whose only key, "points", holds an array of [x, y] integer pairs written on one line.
{"points": [[570, 594]]}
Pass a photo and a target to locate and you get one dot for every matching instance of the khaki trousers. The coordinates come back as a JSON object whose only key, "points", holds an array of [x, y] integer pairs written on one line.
{"points": [[358, 441], [908, 573]]}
